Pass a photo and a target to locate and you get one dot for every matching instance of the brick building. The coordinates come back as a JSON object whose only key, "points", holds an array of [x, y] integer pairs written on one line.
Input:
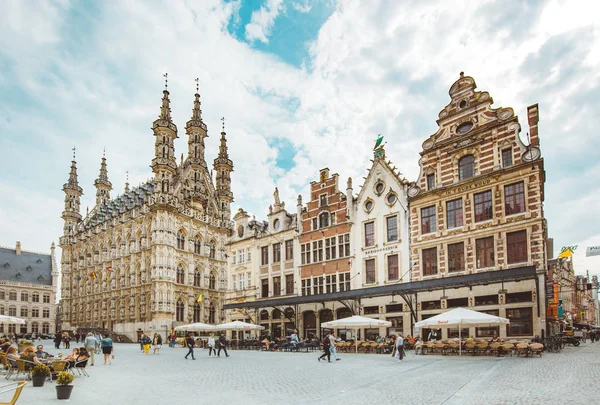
{"points": [[477, 215]]}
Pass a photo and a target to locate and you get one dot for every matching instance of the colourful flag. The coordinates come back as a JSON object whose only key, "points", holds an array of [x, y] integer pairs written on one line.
{"points": [[566, 253], [200, 297], [78, 278], [110, 269], [93, 274]]}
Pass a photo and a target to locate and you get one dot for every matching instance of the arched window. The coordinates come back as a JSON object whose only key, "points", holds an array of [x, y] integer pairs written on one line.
{"points": [[197, 245], [197, 278], [212, 283], [179, 312], [24, 296], [466, 167], [45, 327], [180, 240], [323, 219], [180, 276], [197, 312], [35, 327], [46, 299], [211, 314]]}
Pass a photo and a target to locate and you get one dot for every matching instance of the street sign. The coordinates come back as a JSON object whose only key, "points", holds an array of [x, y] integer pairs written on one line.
{"points": [[592, 251], [549, 289]]}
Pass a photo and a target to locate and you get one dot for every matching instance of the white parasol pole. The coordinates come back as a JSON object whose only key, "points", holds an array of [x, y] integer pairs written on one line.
{"points": [[459, 340], [355, 340]]}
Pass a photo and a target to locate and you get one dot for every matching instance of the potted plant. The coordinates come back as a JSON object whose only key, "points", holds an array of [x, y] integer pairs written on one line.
{"points": [[22, 344], [39, 374], [63, 387]]}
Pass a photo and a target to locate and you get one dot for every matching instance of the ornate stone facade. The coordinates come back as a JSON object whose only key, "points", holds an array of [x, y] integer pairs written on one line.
{"points": [[477, 206], [154, 257]]}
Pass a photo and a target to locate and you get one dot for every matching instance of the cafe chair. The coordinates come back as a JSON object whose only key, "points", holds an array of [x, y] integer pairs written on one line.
{"points": [[15, 386]]}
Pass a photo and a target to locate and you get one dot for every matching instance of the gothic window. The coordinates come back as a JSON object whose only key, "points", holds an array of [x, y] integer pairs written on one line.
{"points": [[197, 312], [213, 249], [211, 314], [197, 246], [212, 281], [197, 278], [466, 167], [180, 240], [179, 311], [180, 276]]}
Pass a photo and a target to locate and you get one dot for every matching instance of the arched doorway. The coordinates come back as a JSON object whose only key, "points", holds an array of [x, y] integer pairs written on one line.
{"points": [[310, 324], [325, 315], [344, 334]]}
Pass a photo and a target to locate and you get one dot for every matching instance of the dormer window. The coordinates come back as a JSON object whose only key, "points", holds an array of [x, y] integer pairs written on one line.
{"points": [[462, 104], [39, 260], [19, 275], [323, 200], [29, 268], [40, 278], [379, 188], [276, 224], [6, 265], [464, 128], [240, 231]]}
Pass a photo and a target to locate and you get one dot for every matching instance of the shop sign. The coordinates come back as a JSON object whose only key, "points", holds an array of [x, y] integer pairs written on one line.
{"points": [[592, 251], [549, 289]]}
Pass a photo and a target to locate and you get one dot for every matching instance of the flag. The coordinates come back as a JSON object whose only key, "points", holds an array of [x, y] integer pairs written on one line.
{"points": [[93, 274], [566, 253], [200, 297], [110, 269], [78, 278]]}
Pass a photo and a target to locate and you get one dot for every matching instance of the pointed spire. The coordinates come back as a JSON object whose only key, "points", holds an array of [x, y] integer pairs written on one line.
{"points": [[127, 181], [103, 185], [223, 145], [73, 182], [165, 108]]}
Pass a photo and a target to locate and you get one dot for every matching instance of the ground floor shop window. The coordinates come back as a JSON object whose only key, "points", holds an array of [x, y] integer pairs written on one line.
{"points": [[521, 322], [371, 334], [453, 333], [397, 325], [457, 302], [488, 331]]}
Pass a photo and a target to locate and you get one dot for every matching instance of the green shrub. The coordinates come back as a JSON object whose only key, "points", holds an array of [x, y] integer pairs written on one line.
{"points": [[64, 378], [41, 370]]}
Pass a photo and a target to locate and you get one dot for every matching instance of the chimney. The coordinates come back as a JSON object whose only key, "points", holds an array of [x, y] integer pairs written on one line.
{"points": [[533, 118], [349, 198], [18, 248]]}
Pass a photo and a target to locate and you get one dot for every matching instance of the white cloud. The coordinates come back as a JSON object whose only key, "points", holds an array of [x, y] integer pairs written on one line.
{"points": [[374, 68], [263, 20], [302, 6]]}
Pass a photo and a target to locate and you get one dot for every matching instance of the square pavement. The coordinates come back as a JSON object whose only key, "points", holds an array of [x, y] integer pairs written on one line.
{"points": [[253, 378]]}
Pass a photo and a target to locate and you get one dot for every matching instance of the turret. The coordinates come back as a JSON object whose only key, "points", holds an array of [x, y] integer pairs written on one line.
{"points": [[73, 194], [103, 185], [223, 167], [164, 165], [349, 199], [299, 213]]}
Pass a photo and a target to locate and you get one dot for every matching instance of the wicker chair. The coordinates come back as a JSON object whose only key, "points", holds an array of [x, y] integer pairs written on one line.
{"points": [[536, 348], [17, 387], [24, 366], [507, 348], [522, 349], [495, 348], [482, 348], [470, 348]]}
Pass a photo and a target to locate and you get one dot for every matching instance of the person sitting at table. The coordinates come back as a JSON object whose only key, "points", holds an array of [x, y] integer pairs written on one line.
{"points": [[80, 360], [11, 354], [72, 356], [40, 353], [294, 339], [266, 342], [418, 346], [29, 356], [5, 345]]}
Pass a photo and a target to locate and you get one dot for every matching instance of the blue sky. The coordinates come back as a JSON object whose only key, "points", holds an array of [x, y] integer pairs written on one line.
{"points": [[303, 85]]}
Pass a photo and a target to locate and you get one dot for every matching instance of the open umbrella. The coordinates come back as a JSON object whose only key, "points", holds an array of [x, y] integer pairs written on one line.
{"points": [[459, 317], [196, 327], [356, 322], [238, 325], [11, 319]]}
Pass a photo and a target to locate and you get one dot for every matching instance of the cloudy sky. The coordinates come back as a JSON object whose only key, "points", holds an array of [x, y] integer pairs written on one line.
{"points": [[302, 84]]}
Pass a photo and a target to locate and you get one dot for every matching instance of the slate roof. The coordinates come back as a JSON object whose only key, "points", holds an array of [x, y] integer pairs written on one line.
{"points": [[135, 198], [34, 268]]}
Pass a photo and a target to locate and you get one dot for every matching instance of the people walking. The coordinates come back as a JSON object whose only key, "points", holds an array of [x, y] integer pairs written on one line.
{"points": [[211, 345], [146, 341], [400, 347], [57, 340], [326, 345], [107, 349], [332, 348], [190, 342], [90, 343], [157, 343], [222, 345]]}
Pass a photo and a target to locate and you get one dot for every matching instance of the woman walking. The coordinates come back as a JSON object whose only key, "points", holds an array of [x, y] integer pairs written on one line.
{"points": [[107, 349], [326, 353], [211, 345], [146, 341], [157, 343]]}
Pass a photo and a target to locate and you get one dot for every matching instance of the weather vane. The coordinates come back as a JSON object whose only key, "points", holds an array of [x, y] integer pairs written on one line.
{"points": [[104, 152], [73, 152], [223, 119], [197, 80], [127, 176], [166, 76]]}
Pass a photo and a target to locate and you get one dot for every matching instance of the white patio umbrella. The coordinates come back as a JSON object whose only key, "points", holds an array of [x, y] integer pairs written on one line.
{"points": [[11, 320], [356, 322], [461, 317], [196, 327], [238, 325]]}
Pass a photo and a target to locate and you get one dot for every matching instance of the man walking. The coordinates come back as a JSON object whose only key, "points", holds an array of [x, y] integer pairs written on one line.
{"points": [[222, 345], [399, 347], [90, 343], [332, 348], [326, 345], [190, 342]]}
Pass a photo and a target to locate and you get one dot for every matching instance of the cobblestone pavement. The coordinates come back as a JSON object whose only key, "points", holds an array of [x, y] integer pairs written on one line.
{"points": [[252, 378]]}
